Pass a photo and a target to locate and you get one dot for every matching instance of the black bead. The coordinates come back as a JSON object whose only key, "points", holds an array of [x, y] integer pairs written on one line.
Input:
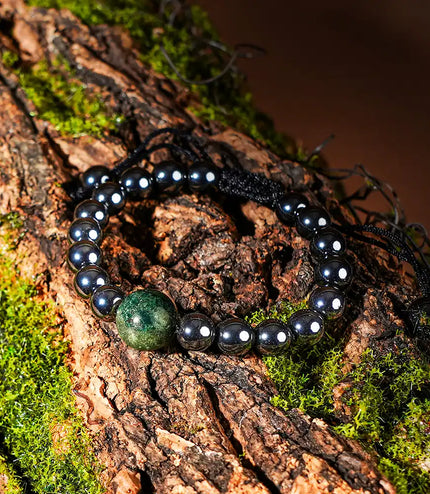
{"points": [[235, 336], [289, 205], [329, 301], [92, 209], [169, 176], [83, 254], [202, 175], [112, 195], [196, 332], [307, 326], [334, 271], [85, 229], [328, 242], [95, 176], [273, 337], [312, 219], [106, 300], [137, 182], [88, 279]]}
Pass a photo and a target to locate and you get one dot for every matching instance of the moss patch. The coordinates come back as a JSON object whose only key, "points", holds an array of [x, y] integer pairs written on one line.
{"points": [[227, 100], [61, 99], [39, 425], [382, 402], [9, 483]]}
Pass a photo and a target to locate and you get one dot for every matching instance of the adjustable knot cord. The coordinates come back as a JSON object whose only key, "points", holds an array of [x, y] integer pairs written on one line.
{"points": [[396, 243], [246, 185]]}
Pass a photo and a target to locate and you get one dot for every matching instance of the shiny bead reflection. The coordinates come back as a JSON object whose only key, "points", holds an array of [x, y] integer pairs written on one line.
{"points": [[95, 176], [307, 326], [334, 271], [92, 209], [169, 176], [235, 336], [83, 253], [88, 279], [273, 337], [196, 332], [329, 301], [328, 242], [137, 182], [112, 195], [310, 220], [289, 205], [106, 300], [85, 229], [202, 176]]}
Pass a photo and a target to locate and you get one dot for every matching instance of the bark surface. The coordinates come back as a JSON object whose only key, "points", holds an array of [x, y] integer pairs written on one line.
{"points": [[178, 422]]}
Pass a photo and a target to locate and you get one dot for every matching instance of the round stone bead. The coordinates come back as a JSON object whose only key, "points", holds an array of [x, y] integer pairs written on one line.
{"points": [[334, 271], [202, 175], [85, 229], [112, 195], [329, 301], [83, 253], [147, 319], [195, 332], [310, 220], [273, 337], [169, 176], [92, 209], [95, 176], [307, 326], [235, 336], [289, 205], [106, 300], [328, 242], [137, 182], [88, 279]]}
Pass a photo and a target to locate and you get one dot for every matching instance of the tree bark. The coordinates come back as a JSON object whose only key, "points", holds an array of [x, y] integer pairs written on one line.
{"points": [[170, 421]]}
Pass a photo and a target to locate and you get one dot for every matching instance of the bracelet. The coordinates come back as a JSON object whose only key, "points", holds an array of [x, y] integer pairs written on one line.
{"points": [[148, 319]]}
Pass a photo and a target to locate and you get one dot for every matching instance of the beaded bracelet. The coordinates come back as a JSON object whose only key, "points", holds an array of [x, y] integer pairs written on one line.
{"points": [[148, 319]]}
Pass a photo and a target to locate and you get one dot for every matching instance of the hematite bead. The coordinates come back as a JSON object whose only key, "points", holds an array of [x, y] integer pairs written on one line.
{"points": [[147, 319], [95, 176], [137, 182], [328, 242], [195, 332], [106, 300], [273, 337], [202, 175], [169, 176], [334, 271], [329, 301], [92, 209], [88, 279], [83, 254], [112, 195], [307, 326], [289, 205], [310, 220], [235, 336], [85, 229]]}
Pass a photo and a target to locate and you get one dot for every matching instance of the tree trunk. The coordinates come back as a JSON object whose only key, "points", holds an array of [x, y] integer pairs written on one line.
{"points": [[171, 421]]}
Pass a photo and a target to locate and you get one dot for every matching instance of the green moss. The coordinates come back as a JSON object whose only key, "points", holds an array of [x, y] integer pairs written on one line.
{"points": [[384, 396], [61, 99], [9, 483], [39, 425], [226, 100]]}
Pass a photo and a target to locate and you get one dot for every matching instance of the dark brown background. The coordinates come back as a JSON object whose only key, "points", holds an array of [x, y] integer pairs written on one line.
{"points": [[357, 69]]}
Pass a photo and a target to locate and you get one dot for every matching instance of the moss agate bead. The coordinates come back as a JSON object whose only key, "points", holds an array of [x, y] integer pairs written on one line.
{"points": [[147, 319]]}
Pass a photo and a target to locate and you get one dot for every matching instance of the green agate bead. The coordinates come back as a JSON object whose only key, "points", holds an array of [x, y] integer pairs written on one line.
{"points": [[146, 319]]}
